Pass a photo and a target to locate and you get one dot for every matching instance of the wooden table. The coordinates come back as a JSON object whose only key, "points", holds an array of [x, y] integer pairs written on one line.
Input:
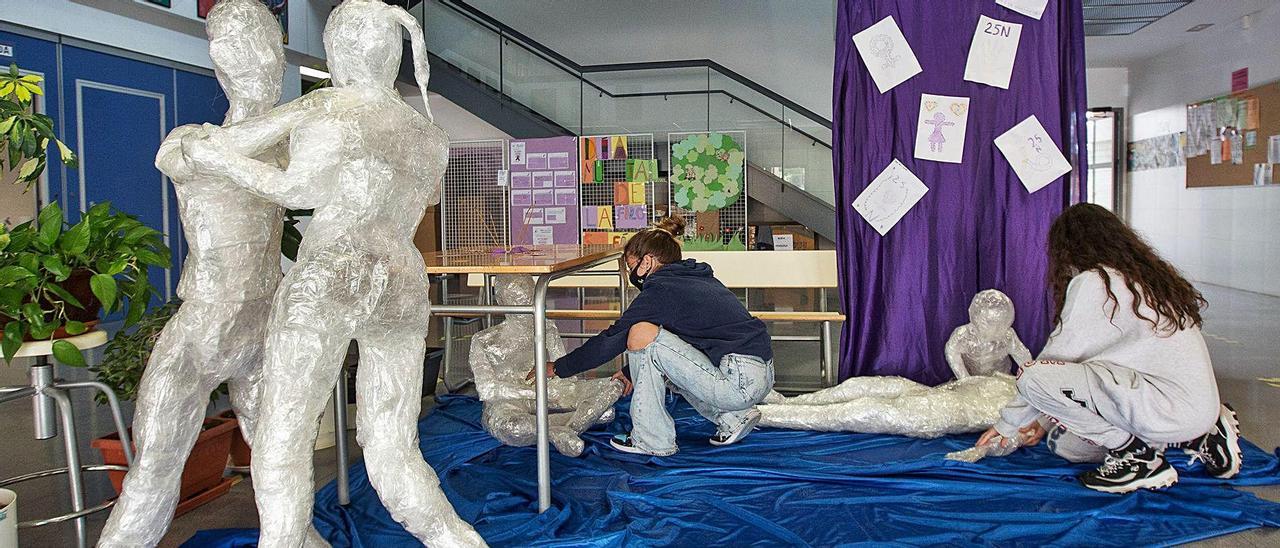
{"points": [[544, 263]]}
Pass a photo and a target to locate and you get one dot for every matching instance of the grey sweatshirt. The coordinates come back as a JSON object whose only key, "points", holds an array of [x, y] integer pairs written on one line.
{"points": [[1175, 362]]}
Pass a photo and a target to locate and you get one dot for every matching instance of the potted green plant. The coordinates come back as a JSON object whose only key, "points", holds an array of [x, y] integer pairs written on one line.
{"points": [[24, 134], [124, 360], [56, 277]]}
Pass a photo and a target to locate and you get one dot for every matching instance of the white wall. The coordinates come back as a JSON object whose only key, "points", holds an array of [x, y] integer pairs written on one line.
{"points": [[1107, 87], [1223, 236], [786, 46]]}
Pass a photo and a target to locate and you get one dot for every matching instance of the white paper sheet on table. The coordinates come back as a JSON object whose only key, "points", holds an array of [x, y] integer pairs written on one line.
{"points": [[992, 51], [889, 196], [1030, 8], [940, 128], [886, 53], [1032, 154]]}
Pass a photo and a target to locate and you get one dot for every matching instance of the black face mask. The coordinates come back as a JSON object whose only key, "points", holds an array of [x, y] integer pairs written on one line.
{"points": [[636, 280]]}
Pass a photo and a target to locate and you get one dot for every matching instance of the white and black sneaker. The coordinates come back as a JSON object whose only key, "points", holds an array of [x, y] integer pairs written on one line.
{"points": [[627, 444], [1132, 467], [735, 435], [1219, 450]]}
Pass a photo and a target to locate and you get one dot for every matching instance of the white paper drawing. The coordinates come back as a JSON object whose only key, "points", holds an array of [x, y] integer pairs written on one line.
{"points": [[889, 196], [544, 235], [1032, 154], [1030, 8], [992, 51], [886, 53], [1273, 149], [1237, 148], [1215, 151], [517, 154], [940, 128], [503, 176], [554, 215]]}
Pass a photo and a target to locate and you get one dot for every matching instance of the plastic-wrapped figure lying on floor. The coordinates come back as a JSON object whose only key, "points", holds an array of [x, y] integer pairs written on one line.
{"points": [[978, 353], [500, 357]]}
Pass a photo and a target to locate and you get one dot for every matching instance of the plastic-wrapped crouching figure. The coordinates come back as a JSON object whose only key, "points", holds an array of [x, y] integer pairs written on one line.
{"points": [[369, 164], [978, 352], [501, 356], [230, 274]]}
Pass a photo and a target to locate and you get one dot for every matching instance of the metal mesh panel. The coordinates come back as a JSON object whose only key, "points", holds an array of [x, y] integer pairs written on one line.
{"points": [[474, 206], [639, 147], [732, 219]]}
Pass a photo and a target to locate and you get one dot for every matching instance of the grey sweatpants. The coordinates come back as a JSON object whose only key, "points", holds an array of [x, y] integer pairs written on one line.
{"points": [[1104, 404]]}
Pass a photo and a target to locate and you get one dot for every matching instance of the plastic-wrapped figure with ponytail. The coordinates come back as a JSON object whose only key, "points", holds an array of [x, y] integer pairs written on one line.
{"points": [[230, 274], [978, 353], [369, 164], [500, 356]]}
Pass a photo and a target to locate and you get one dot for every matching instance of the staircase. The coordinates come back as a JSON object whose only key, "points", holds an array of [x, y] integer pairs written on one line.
{"points": [[529, 90]]}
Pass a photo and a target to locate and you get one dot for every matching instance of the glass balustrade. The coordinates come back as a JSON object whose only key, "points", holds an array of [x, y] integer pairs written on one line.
{"points": [[782, 139]]}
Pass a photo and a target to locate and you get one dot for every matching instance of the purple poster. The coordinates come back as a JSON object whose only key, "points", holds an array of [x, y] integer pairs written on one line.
{"points": [[544, 213]]}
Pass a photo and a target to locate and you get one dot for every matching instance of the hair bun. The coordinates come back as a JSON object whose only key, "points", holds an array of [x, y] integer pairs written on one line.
{"points": [[673, 225]]}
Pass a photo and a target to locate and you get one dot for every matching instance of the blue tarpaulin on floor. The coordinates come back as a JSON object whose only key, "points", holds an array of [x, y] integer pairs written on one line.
{"points": [[782, 487]]}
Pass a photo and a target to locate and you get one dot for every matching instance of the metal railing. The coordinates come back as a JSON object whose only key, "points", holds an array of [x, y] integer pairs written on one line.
{"points": [[783, 138]]}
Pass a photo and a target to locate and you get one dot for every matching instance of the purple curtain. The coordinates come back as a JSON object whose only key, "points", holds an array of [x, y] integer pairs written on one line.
{"points": [[977, 227]]}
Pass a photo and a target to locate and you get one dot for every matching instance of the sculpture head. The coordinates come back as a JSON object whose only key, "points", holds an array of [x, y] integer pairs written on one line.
{"points": [[990, 313], [363, 42], [514, 290], [245, 44]]}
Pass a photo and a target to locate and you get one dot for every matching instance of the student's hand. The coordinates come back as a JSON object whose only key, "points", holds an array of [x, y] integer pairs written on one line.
{"points": [[989, 436], [626, 383], [1031, 434], [551, 372]]}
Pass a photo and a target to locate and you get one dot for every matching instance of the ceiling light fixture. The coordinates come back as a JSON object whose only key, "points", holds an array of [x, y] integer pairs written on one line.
{"points": [[313, 73]]}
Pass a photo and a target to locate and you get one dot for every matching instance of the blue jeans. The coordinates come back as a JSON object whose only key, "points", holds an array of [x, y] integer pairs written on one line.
{"points": [[725, 395]]}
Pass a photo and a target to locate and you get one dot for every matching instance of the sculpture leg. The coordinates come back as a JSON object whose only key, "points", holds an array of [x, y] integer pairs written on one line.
{"points": [[859, 387], [245, 383], [389, 388], [300, 369], [595, 399], [170, 409]]}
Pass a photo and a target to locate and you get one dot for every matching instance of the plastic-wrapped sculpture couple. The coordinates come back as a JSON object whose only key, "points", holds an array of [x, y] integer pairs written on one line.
{"points": [[369, 165]]}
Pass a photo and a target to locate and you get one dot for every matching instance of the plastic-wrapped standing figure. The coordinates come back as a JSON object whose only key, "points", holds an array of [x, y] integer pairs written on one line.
{"points": [[501, 356], [369, 164], [978, 352], [230, 274]]}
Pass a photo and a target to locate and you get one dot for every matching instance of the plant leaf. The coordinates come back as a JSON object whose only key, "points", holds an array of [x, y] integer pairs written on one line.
{"points": [[13, 273], [54, 264], [67, 353], [76, 239], [12, 339], [76, 328], [4, 240], [66, 296], [33, 313], [104, 287], [65, 154], [152, 258]]}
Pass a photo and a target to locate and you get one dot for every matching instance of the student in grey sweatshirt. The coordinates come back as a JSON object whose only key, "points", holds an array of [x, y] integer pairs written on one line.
{"points": [[1126, 368]]}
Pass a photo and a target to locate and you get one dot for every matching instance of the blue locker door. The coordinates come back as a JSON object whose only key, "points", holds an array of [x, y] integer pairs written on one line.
{"points": [[198, 99], [120, 110], [35, 56]]}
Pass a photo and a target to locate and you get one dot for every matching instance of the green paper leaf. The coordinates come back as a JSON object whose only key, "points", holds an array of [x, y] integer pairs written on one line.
{"points": [[67, 353]]}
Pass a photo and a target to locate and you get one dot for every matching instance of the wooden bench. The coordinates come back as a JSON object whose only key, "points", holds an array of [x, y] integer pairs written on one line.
{"points": [[736, 270]]}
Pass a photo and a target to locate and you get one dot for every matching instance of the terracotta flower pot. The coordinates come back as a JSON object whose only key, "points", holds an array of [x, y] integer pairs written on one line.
{"points": [[201, 478], [241, 454]]}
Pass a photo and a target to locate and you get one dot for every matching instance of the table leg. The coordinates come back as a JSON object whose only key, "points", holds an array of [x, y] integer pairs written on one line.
{"points": [[340, 437], [540, 365], [75, 482]]}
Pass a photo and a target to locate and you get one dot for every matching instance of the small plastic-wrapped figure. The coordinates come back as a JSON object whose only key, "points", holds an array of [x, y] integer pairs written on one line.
{"points": [[500, 358], [978, 352], [369, 164]]}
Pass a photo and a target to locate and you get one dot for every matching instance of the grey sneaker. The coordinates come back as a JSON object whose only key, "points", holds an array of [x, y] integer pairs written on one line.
{"points": [[744, 428]]}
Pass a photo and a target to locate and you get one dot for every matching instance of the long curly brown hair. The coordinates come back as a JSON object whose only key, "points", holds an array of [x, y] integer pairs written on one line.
{"points": [[1088, 237]]}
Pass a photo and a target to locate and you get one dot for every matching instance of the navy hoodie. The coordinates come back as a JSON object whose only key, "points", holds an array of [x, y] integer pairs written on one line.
{"points": [[685, 299]]}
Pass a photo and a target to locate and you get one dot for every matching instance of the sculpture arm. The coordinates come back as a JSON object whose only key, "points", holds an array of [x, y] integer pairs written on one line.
{"points": [[314, 157], [256, 135], [1017, 350], [955, 357], [169, 159]]}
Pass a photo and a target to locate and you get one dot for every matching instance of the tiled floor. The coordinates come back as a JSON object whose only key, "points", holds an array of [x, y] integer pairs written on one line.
{"points": [[1242, 330]]}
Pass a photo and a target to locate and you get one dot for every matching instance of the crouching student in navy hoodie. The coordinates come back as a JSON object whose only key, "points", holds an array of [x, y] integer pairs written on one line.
{"points": [[687, 329]]}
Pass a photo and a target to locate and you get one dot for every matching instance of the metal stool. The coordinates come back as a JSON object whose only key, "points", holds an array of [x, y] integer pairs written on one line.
{"points": [[46, 392]]}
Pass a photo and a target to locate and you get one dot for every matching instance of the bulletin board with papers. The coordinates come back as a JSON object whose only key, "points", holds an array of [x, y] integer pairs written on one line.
{"points": [[1234, 140]]}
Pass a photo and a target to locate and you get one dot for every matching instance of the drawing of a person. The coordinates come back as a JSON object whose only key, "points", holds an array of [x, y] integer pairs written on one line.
{"points": [[936, 139]]}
